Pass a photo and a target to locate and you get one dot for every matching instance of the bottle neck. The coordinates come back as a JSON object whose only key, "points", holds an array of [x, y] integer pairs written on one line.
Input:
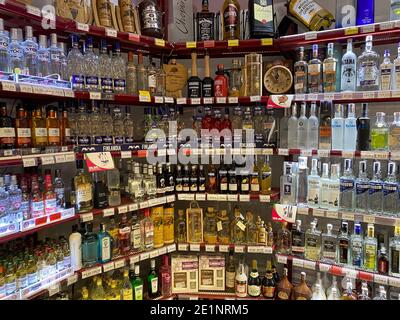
{"points": [[350, 46]]}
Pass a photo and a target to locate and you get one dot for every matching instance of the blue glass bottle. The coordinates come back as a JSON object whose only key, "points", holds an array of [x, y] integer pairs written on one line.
{"points": [[365, 12], [89, 247], [104, 244]]}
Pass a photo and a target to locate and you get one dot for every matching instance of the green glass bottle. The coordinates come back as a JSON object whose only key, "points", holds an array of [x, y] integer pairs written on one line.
{"points": [[137, 282], [152, 280]]}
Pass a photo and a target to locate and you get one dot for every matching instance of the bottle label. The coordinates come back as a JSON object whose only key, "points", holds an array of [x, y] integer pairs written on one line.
{"points": [[129, 140], [91, 82], [54, 135], [386, 78], [7, 132], [282, 295], [233, 187], [348, 74], [361, 188], [51, 206], [241, 288], [32, 278], [119, 84], [389, 188], [306, 10], [107, 85], [231, 18], [314, 69], [263, 12], [194, 89], [368, 74], [329, 68], [83, 140], [105, 249], [41, 132], [22, 282], [37, 208], [3, 45], [254, 290], [135, 238], [245, 187], [154, 285], [329, 249], [268, 292], [78, 82], [208, 90], [356, 252], [150, 17], [375, 187], [343, 250], [223, 186], [312, 242], [370, 256], [230, 279], [346, 185], [119, 140], [127, 294], [139, 292], [255, 187], [84, 193], [395, 259], [23, 133], [313, 192]]}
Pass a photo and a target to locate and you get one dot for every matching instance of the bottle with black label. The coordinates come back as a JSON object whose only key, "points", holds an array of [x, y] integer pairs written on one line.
{"points": [[100, 190], [179, 179], [170, 181], [150, 18], [254, 282], [261, 18], [223, 178], [194, 82], [208, 82], [193, 179], [364, 130], [205, 23], [161, 183], [233, 181], [202, 179], [231, 20]]}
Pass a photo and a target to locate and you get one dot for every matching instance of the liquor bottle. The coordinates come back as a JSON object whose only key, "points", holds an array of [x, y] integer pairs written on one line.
{"points": [[284, 130], [193, 180], [202, 179], [62, 46], [161, 183], [100, 200], [284, 238], [314, 72], [343, 244], [334, 188], [113, 231], [348, 293], [347, 186], [356, 246], [381, 295], [333, 287], [338, 128], [375, 193], [165, 277], [368, 68], [65, 129], [136, 282], [89, 247], [74, 62], [232, 180], [394, 133], [83, 189], [350, 129], [396, 71], [265, 177], [241, 282], [207, 84], [318, 293], [365, 12], [105, 68], [55, 53], [363, 130], [383, 261], [37, 200], [362, 189], [380, 133], [313, 185], [194, 82], [113, 185], [328, 250], [147, 231], [254, 281], [135, 234], [53, 127], [238, 228], [261, 19], [298, 240], [325, 129], [4, 65], [23, 129], [311, 14], [349, 68], [394, 253], [43, 68], [390, 191], [104, 244], [152, 280], [302, 291], [75, 246], [158, 228], [150, 17], [131, 75], [25, 210], [16, 57], [268, 283], [230, 16], [302, 174], [312, 128], [300, 74], [312, 243], [7, 129], [30, 51], [126, 287], [230, 273], [205, 23], [124, 235], [98, 292], [302, 126], [288, 184], [90, 67], [152, 77], [370, 250], [186, 179], [386, 72], [329, 67], [118, 69], [292, 128], [364, 292], [50, 197], [221, 81]]}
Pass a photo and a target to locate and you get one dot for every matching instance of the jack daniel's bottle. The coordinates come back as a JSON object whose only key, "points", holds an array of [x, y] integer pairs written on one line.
{"points": [[261, 18], [205, 23], [150, 18], [194, 82]]}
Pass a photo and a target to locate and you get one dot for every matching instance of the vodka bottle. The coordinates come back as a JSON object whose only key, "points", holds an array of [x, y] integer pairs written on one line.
{"points": [[368, 68], [386, 72], [390, 191], [349, 68], [30, 52], [288, 185], [370, 249], [394, 133], [362, 189], [118, 69], [324, 187], [356, 246], [55, 54], [350, 129], [334, 188], [131, 75], [113, 184], [302, 184], [312, 243], [312, 128], [328, 247], [396, 71], [90, 67], [380, 133], [314, 72], [83, 128], [15, 196], [343, 244], [152, 77], [338, 128], [283, 129], [15, 53], [376, 190], [313, 188], [302, 125], [96, 126], [129, 126], [105, 69], [75, 68], [43, 68], [347, 185], [364, 130], [292, 128], [4, 43], [394, 252], [4, 203], [325, 125], [329, 71], [118, 125], [63, 61], [108, 126], [300, 74]]}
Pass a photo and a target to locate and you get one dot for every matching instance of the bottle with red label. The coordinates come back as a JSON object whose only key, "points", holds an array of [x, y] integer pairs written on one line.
{"points": [[50, 197], [124, 235], [383, 261], [231, 19], [7, 129], [37, 203], [221, 82]]}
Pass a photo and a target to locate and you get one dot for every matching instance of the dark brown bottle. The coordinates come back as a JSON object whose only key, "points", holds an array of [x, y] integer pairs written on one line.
{"points": [[233, 181], [212, 179], [261, 18], [268, 283], [205, 23], [23, 127], [194, 82], [150, 18], [202, 179], [186, 179], [302, 291], [194, 180], [7, 129]]}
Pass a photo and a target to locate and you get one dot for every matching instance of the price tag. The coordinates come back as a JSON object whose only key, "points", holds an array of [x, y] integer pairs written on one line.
{"points": [[208, 100], [386, 25], [200, 197], [108, 266], [126, 154], [134, 259], [171, 248], [319, 213], [348, 154], [8, 86], [382, 155], [350, 31], [60, 158], [47, 160], [26, 88], [233, 43], [120, 263], [33, 10], [210, 248], [329, 96], [368, 95], [395, 155], [69, 93], [369, 219], [394, 282], [108, 212], [244, 198], [221, 100], [255, 98], [232, 197], [368, 28], [298, 262], [133, 37], [153, 254], [384, 94], [158, 99], [281, 259], [191, 44], [267, 42], [72, 279], [324, 267], [195, 101], [324, 153], [133, 207], [367, 155], [268, 151], [54, 289], [122, 209], [309, 264], [378, 278], [85, 217], [332, 215], [144, 205], [159, 42], [222, 197], [82, 26], [312, 97], [300, 97], [29, 162], [283, 152], [347, 95], [91, 272], [306, 153], [144, 96], [162, 251], [70, 157], [252, 249], [209, 44], [302, 210], [171, 198], [181, 101], [111, 32], [347, 216], [396, 93], [239, 249], [268, 250], [350, 273], [234, 100], [223, 248], [183, 247], [265, 198], [397, 24], [310, 36], [169, 100]]}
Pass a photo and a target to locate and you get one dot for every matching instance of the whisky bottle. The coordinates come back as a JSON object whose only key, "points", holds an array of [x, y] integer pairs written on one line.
{"points": [[232, 180], [7, 130], [194, 82], [230, 16], [268, 283], [23, 128], [212, 180], [261, 19], [223, 178], [178, 179], [39, 130], [284, 287], [186, 179], [205, 23], [302, 291], [311, 14], [104, 12], [208, 82], [65, 130], [83, 189], [53, 127], [150, 18], [265, 177]]}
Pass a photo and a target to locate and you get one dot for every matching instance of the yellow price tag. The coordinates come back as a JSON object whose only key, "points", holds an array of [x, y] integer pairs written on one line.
{"points": [[267, 42], [144, 96], [191, 44], [159, 42], [351, 31], [233, 43]]}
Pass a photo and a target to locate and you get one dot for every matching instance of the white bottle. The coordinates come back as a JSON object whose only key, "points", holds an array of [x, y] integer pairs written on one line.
{"points": [[350, 129], [292, 128], [324, 187], [334, 295], [334, 188], [349, 68], [302, 125], [337, 128], [312, 128], [318, 294], [241, 282], [75, 247], [313, 190]]}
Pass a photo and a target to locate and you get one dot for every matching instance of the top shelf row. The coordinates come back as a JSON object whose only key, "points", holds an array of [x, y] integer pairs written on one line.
{"points": [[15, 12]]}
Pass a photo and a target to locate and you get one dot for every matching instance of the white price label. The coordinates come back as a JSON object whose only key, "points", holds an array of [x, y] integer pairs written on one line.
{"points": [[382, 155], [298, 262], [223, 248], [396, 94], [310, 36], [33, 10], [183, 247], [232, 197], [169, 100], [162, 251], [367, 155], [378, 278], [82, 26], [384, 94], [54, 289], [144, 205], [195, 101], [255, 98], [72, 279], [208, 100], [133, 207], [171, 248], [134, 259], [108, 212], [119, 263], [306, 153], [153, 254], [368, 28], [108, 266], [348, 154], [158, 99], [239, 249], [268, 151], [26, 88], [234, 100], [91, 272], [194, 247], [70, 157], [265, 198], [281, 259], [319, 213], [324, 267], [29, 162], [85, 217], [312, 97], [332, 215], [369, 219], [350, 273], [69, 93], [300, 97], [95, 95], [244, 198], [111, 32], [309, 264], [347, 216], [171, 198], [181, 101], [60, 158], [324, 153], [126, 154], [210, 248], [395, 155], [8, 86], [329, 96], [47, 160], [221, 100], [220, 152], [394, 282], [222, 197], [347, 95], [122, 209], [200, 197], [302, 210], [386, 25], [283, 152], [368, 95]]}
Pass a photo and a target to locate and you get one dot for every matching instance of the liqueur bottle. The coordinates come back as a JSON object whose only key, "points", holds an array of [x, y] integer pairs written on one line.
{"points": [[53, 127], [221, 82], [137, 282], [230, 16], [268, 283], [83, 189], [230, 273], [284, 288], [39, 130], [241, 282], [302, 290], [205, 23], [23, 129], [152, 280], [208, 82], [300, 74], [254, 281], [261, 19]]}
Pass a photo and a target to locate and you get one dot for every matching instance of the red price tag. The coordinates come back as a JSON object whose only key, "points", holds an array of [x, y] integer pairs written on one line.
{"points": [[40, 221]]}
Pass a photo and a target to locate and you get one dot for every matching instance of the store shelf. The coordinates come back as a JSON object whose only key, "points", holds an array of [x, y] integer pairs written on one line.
{"points": [[224, 248], [214, 296], [339, 270], [19, 157], [123, 98], [373, 155], [229, 197], [223, 101], [350, 97]]}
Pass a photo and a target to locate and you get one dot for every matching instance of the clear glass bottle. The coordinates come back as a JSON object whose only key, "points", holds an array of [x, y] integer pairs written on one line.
{"points": [[30, 52], [292, 128], [131, 75], [375, 194], [338, 128], [350, 129], [386, 72], [105, 68], [55, 54], [370, 249], [74, 62], [312, 243], [348, 293], [302, 174], [284, 236], [83, 189], [356, 246], [161, 81], [364, 292], [147, 231], [312, 128], [368, 68], [396, 71], [394, 253], [381, 294], [328, 247], [118, 69], [90, 67], [394, 133], [4, 43], [334, 188], [89, 247], [361, 192], [16, 53], [210, 226], [314, 72], [288, 185], [62, 46], [152, 77], [300, 73], [302, 126], [380, 133], [113, 185], [347, 185], [349, 68], [329, 66], [390, 191], [142, 79], [43, 68], [104, 244]]}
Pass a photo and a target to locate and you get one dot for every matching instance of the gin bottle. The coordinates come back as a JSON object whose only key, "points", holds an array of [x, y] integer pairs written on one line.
{"points": [[328, 247], [356, 246], [314, 72], [334, 188], [105, 69], [288, 184], [15, 53], [338, 128], [118, 69], [394, 253], [376, 190], [390, 191], [396, 70], [364, 130], [361, 189], [324, 187], [302, 125], [347, 185], [370, 249], [298, 240], [30, 52], [300, 74], [350, 129], [142, 80], [380, 133], [313, 188], [55, 53], [312, 128], [75, 70], [343, 244], [302, 175], [312, 249], [292, 128], [386, 72], [91, 67], [349, 68], [329, 71], [368, 68], [4, 43]]}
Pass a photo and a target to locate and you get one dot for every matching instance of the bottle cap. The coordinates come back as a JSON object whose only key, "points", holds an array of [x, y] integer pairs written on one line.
{"points": [[14, 34], [348, 164], [377, 167], [329, 227], [28, 32], [153, 263], [53, 39]]}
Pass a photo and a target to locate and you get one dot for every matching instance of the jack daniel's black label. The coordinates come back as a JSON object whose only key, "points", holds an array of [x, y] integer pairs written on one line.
{"points": [[205, 26]]}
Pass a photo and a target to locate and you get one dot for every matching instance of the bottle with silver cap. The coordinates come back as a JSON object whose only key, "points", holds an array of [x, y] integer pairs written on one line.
{"points": [[313, 189], [350, 129], [16, 53], [361, 189], [347, 185], [74, 58], [337, 128], [4, 43], [30, 52], [43, 58], [55, 53], [63, 61], [390, 191], [368, 68], [376, 190], [334, 188], [90, 67]]}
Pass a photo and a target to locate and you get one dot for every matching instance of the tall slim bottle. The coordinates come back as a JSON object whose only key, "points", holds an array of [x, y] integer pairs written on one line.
{"points": [[334, 188], [386, 72], [314, 72], [349, 68], [390, 191], [361, 189], [194, 82], [230, 16], [370, 249], [364, 130], [302, 125], [338, 128], [313, 189], [350, 129], [312, 128], [347, 185], [300, 74], [376, 190], [396, 70], [329, 71], [292, 128], [208, 82], [380, 133], [324, 195], [302, 185]]}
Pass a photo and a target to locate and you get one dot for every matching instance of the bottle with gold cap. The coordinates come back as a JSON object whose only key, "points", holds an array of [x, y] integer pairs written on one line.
{"points": [[370, 249], [311, 14]]}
